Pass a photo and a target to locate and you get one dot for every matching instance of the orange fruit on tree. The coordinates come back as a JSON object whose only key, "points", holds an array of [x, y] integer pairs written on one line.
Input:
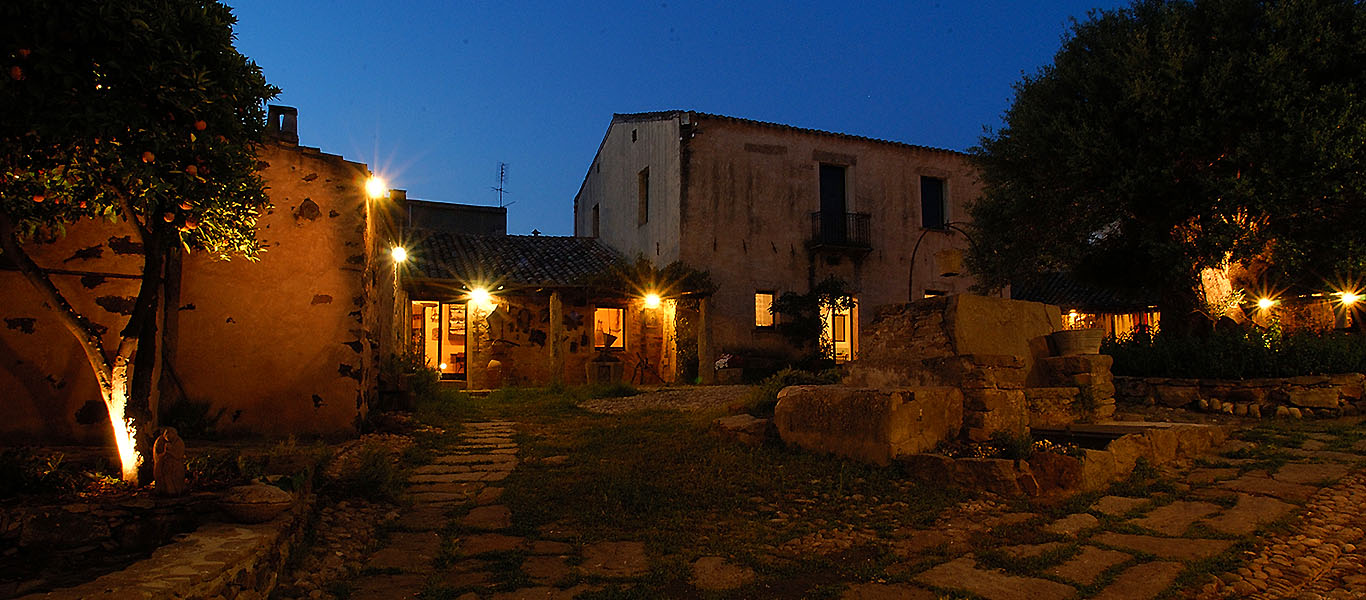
{"points": [[191, 170], [200, 125], [16, 73], [186, 205], [191, 222], [168, 216], [39, 198], [148, 156]]}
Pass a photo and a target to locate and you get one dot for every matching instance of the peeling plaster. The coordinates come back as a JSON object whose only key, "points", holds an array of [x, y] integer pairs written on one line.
{"points": [[122, 305]]}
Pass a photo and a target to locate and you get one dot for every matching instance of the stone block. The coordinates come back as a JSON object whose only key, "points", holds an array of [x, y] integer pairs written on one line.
{"points": [[1056, 472], [866, 424], [1050, 406], [1098, 469], [930, 468], [1323, 397], [1352, 386], [992, 421], [1061, 366], [1128, 449], [994, 399], [996, 475], [746, 429], [1163, 443], [1176, 396]]}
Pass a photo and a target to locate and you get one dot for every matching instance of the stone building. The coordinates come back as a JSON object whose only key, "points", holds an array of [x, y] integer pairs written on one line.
{"points": [[283, 345], [769, 208]]}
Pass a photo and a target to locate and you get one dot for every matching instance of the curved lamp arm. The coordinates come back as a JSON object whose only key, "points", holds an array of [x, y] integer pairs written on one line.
{"points": [[949, 226]]}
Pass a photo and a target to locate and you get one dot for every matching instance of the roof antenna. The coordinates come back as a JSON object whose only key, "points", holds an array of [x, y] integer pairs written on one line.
{"points": [[501, 188]]}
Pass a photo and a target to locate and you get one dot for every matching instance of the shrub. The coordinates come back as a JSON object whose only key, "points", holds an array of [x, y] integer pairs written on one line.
{"points": [[1238, 354], [373, 475], [23, 471], [763, 397]]}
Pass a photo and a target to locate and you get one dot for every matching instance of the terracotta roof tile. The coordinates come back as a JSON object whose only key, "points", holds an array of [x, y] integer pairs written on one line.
{"points": [[518, 260]]}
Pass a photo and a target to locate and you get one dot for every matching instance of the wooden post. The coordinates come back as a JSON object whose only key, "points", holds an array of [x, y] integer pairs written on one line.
{"points": [[556, 339], [706, 355]]}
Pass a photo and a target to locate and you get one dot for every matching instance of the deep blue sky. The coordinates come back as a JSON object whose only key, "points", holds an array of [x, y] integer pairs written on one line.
{"points": [[435, 94]]}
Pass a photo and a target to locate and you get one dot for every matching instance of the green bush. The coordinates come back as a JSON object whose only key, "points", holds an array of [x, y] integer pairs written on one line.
{"points": [[763, 397], [1238, 354], [23, 471]]}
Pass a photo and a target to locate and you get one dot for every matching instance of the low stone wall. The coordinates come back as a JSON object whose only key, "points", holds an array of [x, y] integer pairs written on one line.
{"points": [[1047, 473], [1076, 388], [218, 560], [867, 424], [1295, 397]]}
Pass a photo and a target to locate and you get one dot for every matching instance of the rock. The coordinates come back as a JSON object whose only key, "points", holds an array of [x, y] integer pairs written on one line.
{"points": [[487, 518], [545, 569], [614, 559], [1283, 412], [1249, 513], [1295, 413], [1173, 519], [255, 503], [1312, 397], [713, 573], [1266, 486], [407, 551], [996, 475], [1177, 397], [1311, 473], [867, 424], [1117, 505], [1056, 472], [1072, 524], [1171, 548], [963, 574], [1142, 582], [488, 495], [885, 591], [1087, 565], [488, 542], [746, 429]]}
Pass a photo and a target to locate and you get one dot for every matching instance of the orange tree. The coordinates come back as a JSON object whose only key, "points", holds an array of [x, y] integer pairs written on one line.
{"points": [[139, 111]]}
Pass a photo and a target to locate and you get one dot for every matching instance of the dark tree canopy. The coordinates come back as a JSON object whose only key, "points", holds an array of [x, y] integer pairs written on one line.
{"points": [[146, 102], [1174, 135]]}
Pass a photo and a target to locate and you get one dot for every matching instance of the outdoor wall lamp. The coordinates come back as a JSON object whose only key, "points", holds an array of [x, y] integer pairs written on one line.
{"points": [[399, 253], [375, 187], [1265, 303], [1348, 298], [652, 301]]}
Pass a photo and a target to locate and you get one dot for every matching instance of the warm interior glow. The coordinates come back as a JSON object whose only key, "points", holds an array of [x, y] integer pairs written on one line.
{"points": [[399, 253], [442, 366], [651, 300], [1265, 303], [375, 187]]}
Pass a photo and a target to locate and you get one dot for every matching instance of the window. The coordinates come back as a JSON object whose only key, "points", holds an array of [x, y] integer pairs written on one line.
{"points": [[763, 309], [832, 189], [609, 328], [933, 210], [935, 293], [643, 196], [595, 220]]}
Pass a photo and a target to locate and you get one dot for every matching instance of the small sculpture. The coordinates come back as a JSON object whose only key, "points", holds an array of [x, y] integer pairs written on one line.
{"points": [[168, 463]]}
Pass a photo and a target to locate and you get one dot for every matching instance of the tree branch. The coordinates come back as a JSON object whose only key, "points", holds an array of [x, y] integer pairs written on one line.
{"points": [[79, 326]]}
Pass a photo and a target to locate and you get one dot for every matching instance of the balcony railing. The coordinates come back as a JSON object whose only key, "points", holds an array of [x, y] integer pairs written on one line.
{"points": [[840, 229]]}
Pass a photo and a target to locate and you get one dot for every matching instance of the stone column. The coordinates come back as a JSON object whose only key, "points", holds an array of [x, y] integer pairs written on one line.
{"points": [[706, 355], [556, 338]]}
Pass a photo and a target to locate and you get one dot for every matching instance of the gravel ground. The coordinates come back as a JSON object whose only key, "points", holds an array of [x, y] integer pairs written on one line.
{"points": [[690, 399]]}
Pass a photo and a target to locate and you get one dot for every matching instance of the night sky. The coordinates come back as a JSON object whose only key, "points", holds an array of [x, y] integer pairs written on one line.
{"points": [[433, 95]]}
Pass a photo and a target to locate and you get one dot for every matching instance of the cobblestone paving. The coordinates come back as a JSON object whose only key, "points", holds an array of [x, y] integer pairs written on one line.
{"points": [[1292, 525]]}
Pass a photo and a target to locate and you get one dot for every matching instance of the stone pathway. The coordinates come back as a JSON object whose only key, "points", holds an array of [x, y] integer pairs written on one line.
{"points": [[1136, 548]]}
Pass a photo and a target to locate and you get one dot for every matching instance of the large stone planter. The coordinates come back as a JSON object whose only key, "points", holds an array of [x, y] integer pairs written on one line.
{"points": [[1077, 341]]}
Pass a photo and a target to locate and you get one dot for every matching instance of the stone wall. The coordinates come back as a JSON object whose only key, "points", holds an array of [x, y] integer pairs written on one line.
{"points": [[1304, 396], [1076, 388], [865, 424]]}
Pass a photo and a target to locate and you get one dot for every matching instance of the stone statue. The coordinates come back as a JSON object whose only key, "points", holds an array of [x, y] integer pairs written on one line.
{"points": [[168, 463]]}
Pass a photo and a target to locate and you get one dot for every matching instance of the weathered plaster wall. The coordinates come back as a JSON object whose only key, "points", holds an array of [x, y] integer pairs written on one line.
{"points": [[281, 342], [44, 377], [748, 199], [611, 184]]}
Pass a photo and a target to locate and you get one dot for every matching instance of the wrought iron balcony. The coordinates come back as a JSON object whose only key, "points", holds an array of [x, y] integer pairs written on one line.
{"points": [[839, 230]]}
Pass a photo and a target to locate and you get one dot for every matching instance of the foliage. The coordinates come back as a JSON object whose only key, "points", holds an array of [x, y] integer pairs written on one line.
{"points": [[1237, 353], [143, 101], [801, 320], [374, 475], [219, 468], [640, 277], [763, 397], [1004, 444], [24, 471], [1174, 135]]}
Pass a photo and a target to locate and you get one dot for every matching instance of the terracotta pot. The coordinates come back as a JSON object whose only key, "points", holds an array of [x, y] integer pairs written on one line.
{"points": [[1077, 341]]}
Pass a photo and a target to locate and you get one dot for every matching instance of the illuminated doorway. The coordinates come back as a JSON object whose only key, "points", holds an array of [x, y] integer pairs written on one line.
{"points": [[439, 333], [840, 331]]}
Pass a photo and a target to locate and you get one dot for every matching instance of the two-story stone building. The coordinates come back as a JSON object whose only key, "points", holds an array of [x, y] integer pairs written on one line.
{"points": [[769, 208]]}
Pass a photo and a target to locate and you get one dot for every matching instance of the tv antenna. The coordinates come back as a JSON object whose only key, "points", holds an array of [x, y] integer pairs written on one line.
{"points": [[501, 188]]}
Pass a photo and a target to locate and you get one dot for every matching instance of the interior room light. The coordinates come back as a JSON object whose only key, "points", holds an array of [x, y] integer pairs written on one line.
{"points": [[375, 187], [651, 300], [399, 253], [442, 366]]}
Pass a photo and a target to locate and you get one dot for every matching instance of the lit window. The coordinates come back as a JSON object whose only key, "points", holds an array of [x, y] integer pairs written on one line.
{"points": [[609, 328], [763, 309], [935, 293]]}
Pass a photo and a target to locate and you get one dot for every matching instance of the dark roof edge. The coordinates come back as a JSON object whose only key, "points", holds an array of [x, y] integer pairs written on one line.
{"points": [[444, 204], [661, 115]]}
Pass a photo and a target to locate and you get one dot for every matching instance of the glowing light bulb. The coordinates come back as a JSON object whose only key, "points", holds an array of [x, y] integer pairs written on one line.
{"points": [[1265, 303], [399, 253], [651, 300], [442, 366], [375, 187], [1349, 298], [480, 297]]}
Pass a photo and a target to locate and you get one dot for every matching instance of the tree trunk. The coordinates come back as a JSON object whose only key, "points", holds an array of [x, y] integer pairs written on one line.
{"points": [[112, 376], [142, 326]]}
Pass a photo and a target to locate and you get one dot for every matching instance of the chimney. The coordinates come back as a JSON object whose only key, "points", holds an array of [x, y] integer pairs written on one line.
{"points": [[283, 123]]}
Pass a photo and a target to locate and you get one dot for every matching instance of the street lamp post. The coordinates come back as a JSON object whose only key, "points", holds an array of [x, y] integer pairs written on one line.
{"points": [[947, 227]]}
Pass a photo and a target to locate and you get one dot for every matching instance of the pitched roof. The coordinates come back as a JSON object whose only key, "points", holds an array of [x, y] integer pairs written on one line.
{"points": [[1061, 290], [669, 114], [517, 260]]}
